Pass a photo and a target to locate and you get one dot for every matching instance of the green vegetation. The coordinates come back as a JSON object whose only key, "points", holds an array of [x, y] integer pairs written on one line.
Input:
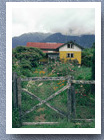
{"points": [[15, 118], [87, 56], [26, 64], [26, 59]]}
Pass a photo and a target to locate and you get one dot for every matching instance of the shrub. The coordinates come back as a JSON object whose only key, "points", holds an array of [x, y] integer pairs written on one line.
{"points": [[25, 64], [60, 68], [87, 55], [26, 58], [27, 53], [26, 72]]}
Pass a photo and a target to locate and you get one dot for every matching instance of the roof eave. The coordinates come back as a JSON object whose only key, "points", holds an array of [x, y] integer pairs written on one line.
{"points": [[70, 42]]}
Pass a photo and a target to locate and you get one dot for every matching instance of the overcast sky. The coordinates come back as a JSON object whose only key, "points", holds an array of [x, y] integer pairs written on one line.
{"points": [[66, 21]]}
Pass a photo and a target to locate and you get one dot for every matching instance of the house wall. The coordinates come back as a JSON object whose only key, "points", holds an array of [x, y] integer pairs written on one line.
{"points": [[75, 50], [77, 55], [65, 48]]}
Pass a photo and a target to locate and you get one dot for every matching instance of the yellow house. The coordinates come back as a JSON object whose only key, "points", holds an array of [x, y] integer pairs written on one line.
{"points": [[64, 51], [70, 51]]}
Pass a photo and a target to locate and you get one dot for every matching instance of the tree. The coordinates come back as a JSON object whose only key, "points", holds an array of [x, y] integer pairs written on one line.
{"points": [[87, 55], [26, 57]]}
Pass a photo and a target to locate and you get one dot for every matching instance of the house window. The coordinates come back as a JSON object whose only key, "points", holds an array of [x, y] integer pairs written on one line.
{"points": [[70, 45], [70, 55]]}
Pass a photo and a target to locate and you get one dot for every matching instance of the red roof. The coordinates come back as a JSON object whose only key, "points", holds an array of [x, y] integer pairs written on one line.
{"points": [[44, 45]]}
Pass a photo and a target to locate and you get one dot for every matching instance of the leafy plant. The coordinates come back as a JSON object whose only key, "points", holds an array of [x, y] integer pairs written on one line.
{"points": [[87, 55], [25, 58]]}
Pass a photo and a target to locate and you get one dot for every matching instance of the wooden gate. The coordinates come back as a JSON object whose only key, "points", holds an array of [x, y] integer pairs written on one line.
{"points": [[71, 107]]}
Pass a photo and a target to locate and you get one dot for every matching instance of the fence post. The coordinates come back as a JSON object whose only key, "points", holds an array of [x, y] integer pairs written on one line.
{"points": [[15, 100], [19, 96], [73, 102], [69, 101]]}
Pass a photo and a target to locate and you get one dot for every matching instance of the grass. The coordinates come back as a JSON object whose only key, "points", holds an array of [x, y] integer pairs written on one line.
{"points": [[85, 100]]}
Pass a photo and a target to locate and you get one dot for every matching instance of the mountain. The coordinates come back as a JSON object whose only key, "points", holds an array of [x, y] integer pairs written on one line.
{"points": [[28, 37], [57, 37], [85, 41]]}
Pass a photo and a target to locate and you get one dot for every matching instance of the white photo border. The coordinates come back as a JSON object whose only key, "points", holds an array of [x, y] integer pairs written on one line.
{"points": [[9, 7]]}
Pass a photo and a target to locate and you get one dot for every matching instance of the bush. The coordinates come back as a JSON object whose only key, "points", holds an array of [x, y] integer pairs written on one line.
{"points": [[60, 68], [87, 55], [26, 72], [25, 64], [30, 54], [25, 59]]}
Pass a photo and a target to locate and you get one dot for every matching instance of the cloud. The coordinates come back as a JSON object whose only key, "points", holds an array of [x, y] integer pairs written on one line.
{"points": [[66, 21]]}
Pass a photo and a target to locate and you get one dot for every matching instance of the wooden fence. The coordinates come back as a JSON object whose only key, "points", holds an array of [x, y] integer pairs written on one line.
{"points": [[71, 103]]}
